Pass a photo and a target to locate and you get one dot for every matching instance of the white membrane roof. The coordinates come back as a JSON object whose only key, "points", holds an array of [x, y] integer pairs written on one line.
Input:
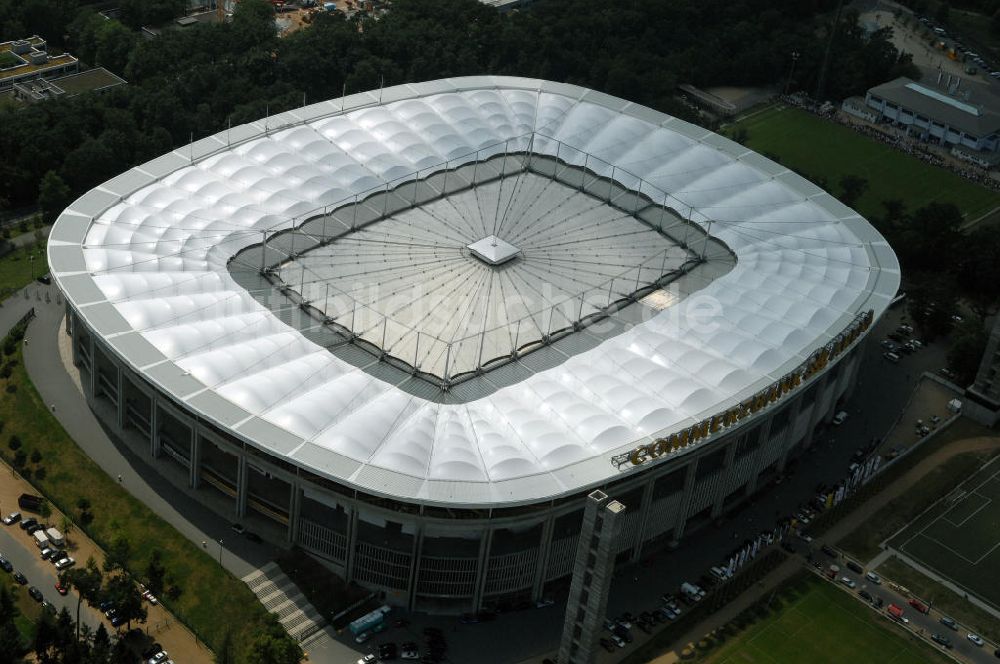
{"points": [[143, 258]]}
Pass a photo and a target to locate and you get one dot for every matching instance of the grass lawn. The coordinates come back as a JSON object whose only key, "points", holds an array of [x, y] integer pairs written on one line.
{"points": [[864, 541], [818, 148], [821, 624], [211, 601], [944, 599], [16, 269]]}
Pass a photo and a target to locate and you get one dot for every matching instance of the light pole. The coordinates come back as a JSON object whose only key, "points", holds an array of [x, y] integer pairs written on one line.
{"points": [[791, 71], [220, 551], [31, 264]]}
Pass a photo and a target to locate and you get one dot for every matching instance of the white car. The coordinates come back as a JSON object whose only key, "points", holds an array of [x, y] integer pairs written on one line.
{"points": [[976, 640], [848, 582], [158, 657], [11, 518], [618, 641], [362, 637], [64, 563], [840, 417], [367, 659], [874, 578], [149, 597]]}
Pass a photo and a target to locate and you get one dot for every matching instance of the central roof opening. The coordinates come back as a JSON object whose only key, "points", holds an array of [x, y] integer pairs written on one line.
{"points": [[452, 275]]}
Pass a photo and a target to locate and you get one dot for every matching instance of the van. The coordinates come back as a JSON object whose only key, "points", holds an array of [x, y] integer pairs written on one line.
{"points": [[55, 537], [41, 539]]}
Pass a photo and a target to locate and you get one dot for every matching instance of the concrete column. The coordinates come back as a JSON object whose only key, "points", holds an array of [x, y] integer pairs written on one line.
{"points": [[93, 366], [154, 429], [416, 556], [69, 318], [294, 507], [485, 544], [242, 488], [816, 414], [194, 456], [726, 485], [542, 562], [352, 539], [640, 528], [120, 384], [689, 487]]}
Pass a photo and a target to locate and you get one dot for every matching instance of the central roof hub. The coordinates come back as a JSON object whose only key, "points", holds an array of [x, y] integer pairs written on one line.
{"points": [[493, 250]]}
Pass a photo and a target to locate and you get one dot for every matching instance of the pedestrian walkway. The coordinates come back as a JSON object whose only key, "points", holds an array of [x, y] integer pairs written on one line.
{"points": [[282, 597]]}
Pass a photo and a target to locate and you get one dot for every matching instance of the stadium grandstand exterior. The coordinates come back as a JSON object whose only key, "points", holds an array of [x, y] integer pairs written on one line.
{"points": [[410, 330]]}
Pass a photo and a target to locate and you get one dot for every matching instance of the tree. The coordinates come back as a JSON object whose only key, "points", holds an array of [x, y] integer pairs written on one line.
{"points": [[225, 653], [155, 573], [966, 351], [88, 581], [852, 187], [53, 196], [122, 592], [272, 645], [118, 555]]}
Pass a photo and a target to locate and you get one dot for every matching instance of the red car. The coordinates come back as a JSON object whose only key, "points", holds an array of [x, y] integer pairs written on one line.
{"points": [[60, 588], [919, 606]]}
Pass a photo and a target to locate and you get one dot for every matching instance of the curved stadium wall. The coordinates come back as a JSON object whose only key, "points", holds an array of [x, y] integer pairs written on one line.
{"points": [[261, 312]]}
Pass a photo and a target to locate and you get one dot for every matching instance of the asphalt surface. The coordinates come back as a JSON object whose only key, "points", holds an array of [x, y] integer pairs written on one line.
{"points": [[881, 393], [919, 623], [25, 557]]}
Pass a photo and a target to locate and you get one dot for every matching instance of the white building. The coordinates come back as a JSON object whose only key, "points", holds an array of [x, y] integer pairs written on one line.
{"points": [[949, 111]]}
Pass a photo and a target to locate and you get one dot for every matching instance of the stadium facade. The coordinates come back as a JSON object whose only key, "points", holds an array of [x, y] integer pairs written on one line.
{"points": [[416, 327]]}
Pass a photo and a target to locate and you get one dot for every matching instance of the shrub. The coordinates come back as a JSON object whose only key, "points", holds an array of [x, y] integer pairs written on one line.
{"points": [[14, 442], [40, 473], [36, 456]]}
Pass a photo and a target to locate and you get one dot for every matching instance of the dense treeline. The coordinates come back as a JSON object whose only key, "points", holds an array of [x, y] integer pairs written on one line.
{"points": [[191, 82]]}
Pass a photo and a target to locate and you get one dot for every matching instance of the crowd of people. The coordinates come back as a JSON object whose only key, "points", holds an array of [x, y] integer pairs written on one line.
{"points": [[896, 139]]}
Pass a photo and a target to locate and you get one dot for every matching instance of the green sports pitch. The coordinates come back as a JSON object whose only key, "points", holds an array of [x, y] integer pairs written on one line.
{"points": [[816, 147], [825, 625], [958, 538]]}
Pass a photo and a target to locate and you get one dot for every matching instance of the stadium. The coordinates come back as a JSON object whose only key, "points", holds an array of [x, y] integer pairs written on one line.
{"points": [[409, 330]]}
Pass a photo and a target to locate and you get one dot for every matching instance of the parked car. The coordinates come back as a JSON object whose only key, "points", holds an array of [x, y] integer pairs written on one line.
{"points": [[949, 623], [28, 523], [20, 578], [11, 518], [976, 640], [918, 605], [855, 567], [60, 588], [874, 578], [941, 640], [35, 594], [618, 641], [848, 582], [238, 528], [865, 595], [65, 563], [829, 550], [607, 645], [840, 418]]}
